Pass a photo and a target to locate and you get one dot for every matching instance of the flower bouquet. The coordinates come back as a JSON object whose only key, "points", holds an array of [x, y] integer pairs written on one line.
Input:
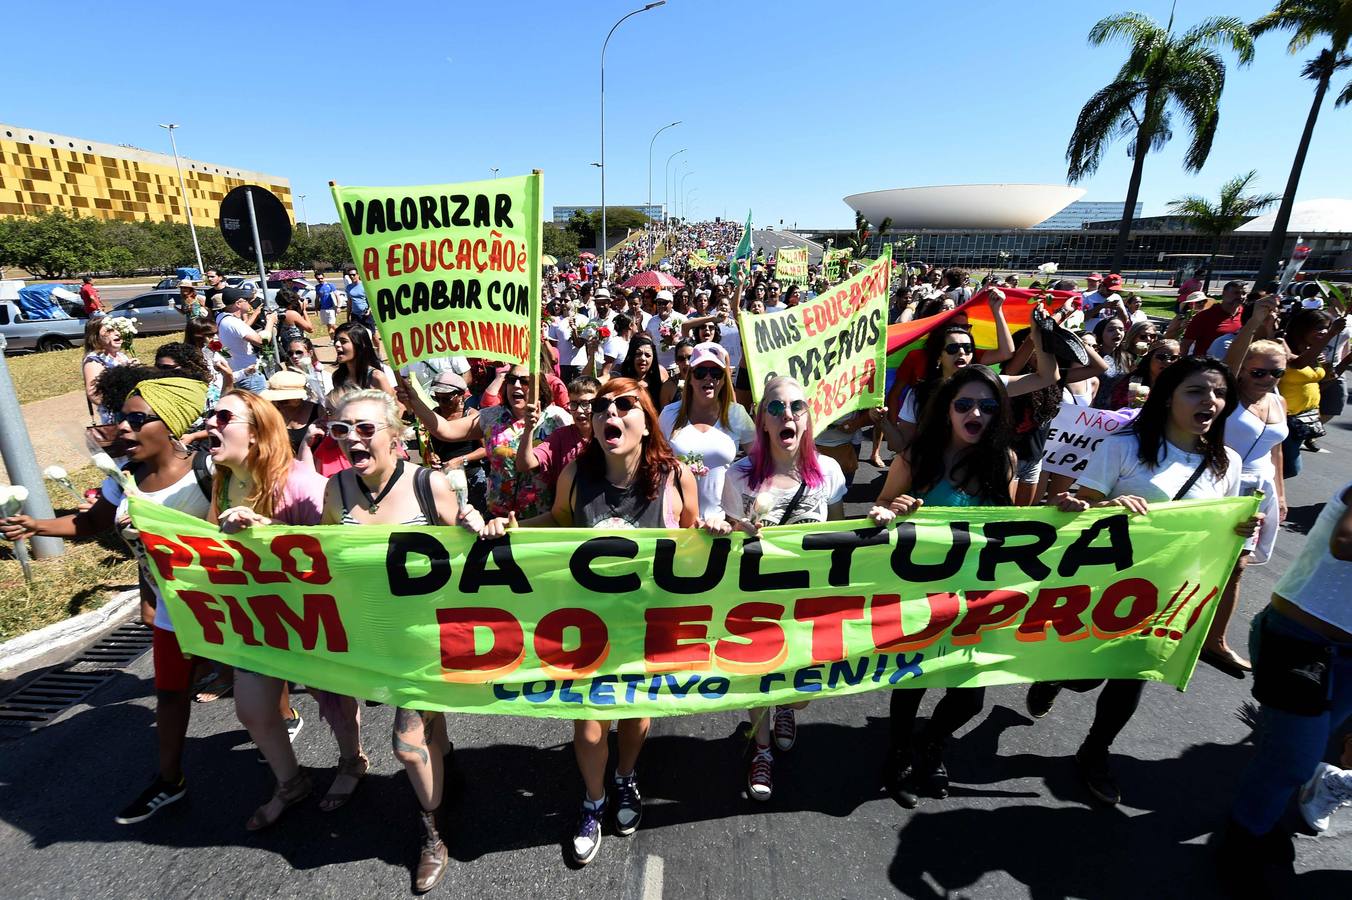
{"points": [[126, 327], [695, 462], [668, 335]]}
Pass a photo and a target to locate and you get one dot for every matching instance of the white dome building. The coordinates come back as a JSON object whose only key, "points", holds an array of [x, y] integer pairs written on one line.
{"points": [[965, 205]]}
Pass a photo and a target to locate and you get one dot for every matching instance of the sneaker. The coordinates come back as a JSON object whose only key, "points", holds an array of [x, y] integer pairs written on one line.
{"points": [[587, 836], [628, 804], [1325, 793], [760, 782], [785, 729], [1098, 775], [1041, 696], [154, 798], [293, 726]]}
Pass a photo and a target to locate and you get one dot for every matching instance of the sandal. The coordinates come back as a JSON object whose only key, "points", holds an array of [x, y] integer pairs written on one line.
{"points": [[289, 792], [213, 688], [354, 767]]}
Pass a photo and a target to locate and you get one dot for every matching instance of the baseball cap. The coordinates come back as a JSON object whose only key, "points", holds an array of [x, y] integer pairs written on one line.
{"points": [[447, 381], [285, 385], [185, 282], [709, 352], [234, 295], [664, 295], [1094, 276], [1112, 280]]}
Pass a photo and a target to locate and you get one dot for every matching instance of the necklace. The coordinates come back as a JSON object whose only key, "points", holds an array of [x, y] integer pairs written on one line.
{"points": [[373, 503]]}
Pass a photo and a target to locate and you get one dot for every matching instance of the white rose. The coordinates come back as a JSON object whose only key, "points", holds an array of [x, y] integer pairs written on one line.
{"points": [[54, 473], [457, 479], [1048, 268], [764, 503]]}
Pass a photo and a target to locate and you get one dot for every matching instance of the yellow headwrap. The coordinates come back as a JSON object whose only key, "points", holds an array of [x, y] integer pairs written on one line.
{"points": [[178, 401]]}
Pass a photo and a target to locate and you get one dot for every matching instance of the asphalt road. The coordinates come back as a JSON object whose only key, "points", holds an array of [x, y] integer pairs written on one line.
{"points": [[1018, 823], [771, 241]]}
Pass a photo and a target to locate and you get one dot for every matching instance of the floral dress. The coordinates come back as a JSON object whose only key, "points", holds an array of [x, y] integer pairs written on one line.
{"points": [[509, 491]]}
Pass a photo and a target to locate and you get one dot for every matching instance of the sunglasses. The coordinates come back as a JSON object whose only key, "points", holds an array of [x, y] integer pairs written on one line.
{"points": [[1167, 357], [600, 406], [137, 420], [222, 418], [343, 431], [449, 395], [987, 406], [300, 352], [776, 408], [580, 406], [509, 379], [1261, 373], [955, 349], [706, 373]]}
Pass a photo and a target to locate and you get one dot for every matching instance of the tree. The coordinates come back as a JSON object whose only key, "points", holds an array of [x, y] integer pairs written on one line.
{"points": [[51, 244], [1234, 208], [1164, 74], [1309, 19], [560, 243]]}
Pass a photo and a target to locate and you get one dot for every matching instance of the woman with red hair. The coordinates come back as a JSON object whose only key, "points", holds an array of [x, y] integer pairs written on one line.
{"points": [[626, 478], [781, 482]]}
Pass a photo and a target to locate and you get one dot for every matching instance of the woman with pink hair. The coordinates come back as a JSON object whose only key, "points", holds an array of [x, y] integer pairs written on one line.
{"points": [[781, 482]]}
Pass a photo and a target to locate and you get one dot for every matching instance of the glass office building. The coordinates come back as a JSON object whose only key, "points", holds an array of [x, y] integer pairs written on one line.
{"points": [[563, 213], [1081, 212]]}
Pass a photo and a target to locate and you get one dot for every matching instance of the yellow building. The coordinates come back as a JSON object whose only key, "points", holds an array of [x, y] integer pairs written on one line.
{"points": [[41, 171]]}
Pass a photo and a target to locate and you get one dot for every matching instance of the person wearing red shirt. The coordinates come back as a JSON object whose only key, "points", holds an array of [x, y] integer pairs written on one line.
{"points": [[93, 303], [1214, 321]]}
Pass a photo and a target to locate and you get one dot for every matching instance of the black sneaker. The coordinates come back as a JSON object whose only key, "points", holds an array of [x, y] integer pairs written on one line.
{"points": [[587, 836], [930, 771], [1041, 696], [154, 798], [628, 805], [293, 726], [1098, 775]]}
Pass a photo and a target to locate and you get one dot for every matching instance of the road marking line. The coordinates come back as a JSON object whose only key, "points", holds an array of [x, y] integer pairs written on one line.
{"points": [[652, 878]]}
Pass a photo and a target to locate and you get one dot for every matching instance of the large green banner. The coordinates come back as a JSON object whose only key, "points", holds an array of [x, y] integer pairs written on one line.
{"points": [[450, 269], [791, 265], [578, 623], [835, 345]]}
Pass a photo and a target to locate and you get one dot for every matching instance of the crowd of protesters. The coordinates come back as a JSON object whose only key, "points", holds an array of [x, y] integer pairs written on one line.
{"points": [[640, 414]]}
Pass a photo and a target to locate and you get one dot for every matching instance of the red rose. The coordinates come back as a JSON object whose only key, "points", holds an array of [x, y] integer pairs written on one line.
{"points": [[603, 333], [215, 346]]}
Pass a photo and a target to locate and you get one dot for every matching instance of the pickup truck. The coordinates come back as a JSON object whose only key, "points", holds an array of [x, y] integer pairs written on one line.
{"points": [[42, 334]]}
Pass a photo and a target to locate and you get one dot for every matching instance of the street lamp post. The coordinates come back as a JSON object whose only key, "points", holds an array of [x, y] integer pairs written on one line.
{"points": [[650, 160], [494, 170], [681, 192], [183, 186], [685, 202], [604, 44], [666, 185], [304, 213]]}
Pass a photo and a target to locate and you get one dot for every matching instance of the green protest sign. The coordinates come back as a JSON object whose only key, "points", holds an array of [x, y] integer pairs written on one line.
{"points": [[791, 265], [831, 263], [835, 345], [450, 269], [579, 623]]}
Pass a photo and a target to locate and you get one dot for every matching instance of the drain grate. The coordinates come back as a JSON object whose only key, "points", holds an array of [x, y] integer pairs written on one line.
{"points": [[49, 695]]}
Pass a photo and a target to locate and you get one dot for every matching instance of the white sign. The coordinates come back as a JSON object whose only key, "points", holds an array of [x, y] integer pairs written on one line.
{"points": [[1076, 432]]}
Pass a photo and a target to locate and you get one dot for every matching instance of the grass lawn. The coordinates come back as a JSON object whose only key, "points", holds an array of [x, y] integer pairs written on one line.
{"points": [[78, 581], [38, 376]]}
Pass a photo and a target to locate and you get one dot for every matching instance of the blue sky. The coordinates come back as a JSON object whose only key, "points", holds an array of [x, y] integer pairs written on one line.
{"points": [[786, 108]]}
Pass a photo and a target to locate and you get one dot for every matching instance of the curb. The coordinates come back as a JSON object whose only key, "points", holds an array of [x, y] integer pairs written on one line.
{"points": [[27, 647]]}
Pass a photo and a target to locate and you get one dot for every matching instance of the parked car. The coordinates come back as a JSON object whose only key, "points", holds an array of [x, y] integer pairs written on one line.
{"points": [[41, 335], [156, 312]]}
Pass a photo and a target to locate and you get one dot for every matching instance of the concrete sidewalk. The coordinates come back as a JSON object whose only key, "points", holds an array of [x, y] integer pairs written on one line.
{"points": [[56, 427]]}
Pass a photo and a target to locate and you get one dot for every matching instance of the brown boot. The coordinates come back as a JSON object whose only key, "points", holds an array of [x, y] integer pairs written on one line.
{"points": [[433, 859]]}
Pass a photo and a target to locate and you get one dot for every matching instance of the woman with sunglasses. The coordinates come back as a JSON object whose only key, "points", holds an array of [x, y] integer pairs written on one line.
{"points": [[965, 460], [675, 385], [1174, 450], [705, 428], [500, 428], [358, 366], [640, 365], [381, 488], [260, 482], [1130, 392], [951, 348], [156, 413], [1256, 432], [626, 477], [782, 481]]}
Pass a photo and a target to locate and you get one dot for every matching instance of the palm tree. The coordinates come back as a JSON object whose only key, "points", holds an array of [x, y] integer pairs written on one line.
{"points": [[1219, 219], [1309, 19], [1164, 73]]}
